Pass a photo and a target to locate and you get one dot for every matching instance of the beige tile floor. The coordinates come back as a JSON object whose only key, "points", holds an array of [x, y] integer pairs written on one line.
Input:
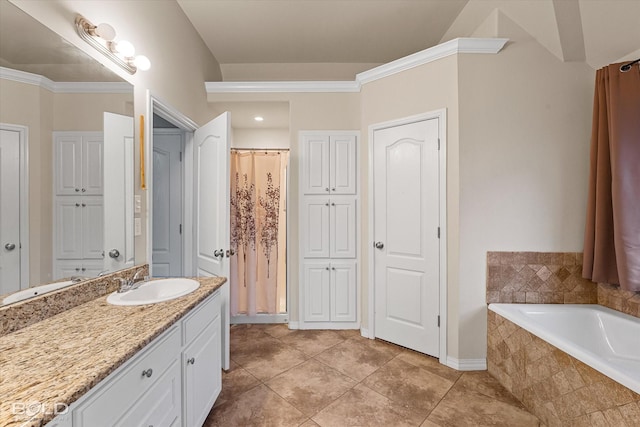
{"points": [[280, 377]]}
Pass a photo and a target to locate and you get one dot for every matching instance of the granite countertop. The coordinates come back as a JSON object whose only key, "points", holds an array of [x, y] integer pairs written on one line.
{"points": [[59, 359]]}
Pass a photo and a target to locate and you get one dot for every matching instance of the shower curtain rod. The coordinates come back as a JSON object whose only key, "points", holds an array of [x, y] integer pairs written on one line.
{"points": [[259, 149], [627, 67]]}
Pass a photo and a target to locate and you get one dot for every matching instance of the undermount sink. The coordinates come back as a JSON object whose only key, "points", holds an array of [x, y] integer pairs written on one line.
{"points": [[155, 291]]}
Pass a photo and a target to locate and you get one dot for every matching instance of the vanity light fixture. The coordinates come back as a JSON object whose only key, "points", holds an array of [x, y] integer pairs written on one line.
{"points": [[103, 38]]}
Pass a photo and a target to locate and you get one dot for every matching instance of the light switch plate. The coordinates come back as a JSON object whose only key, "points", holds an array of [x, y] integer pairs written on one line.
{"points": [[137, 226], [137, 205]]}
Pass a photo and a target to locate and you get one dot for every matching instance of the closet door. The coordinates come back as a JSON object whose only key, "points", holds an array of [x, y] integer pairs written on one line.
{"points": [[342, 223], [92, 174], [68, 167], [315, 227], [342, 174], [343, 291], [317, 291], [315, 164], [92, 227], [68, 229]]}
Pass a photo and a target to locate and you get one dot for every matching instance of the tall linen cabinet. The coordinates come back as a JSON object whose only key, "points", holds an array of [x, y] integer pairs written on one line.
{"points": [[78, 205], [329, 229]]}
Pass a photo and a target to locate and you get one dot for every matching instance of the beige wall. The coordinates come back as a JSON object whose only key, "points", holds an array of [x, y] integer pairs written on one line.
{"points": [[419, 90], [261, 138], [525, 124], [43, 112]]}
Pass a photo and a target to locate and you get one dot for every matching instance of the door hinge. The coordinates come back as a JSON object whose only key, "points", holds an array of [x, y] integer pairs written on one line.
{"points": [[438, 320], [180, 228], [181, 153], [438, 143], [438, 232]]}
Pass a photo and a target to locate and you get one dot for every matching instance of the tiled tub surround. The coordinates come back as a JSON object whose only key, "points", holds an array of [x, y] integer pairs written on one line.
{"points": [[27, 312], [60, 358], [538, 278], [556, 387], [625, 301]]}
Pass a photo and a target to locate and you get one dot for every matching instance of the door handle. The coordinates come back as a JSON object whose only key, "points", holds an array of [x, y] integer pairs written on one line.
{"points": [[114, 253], [378, 245], [230, 253], [10, 246], [219, 253]]}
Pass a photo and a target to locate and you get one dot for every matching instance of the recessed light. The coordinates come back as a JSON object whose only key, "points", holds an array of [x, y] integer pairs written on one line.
{"points": [[258, 118]]}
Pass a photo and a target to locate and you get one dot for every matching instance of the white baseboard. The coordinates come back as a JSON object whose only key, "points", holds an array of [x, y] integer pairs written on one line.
{"points": [[467, 364], [365, 333], [294, 325]]}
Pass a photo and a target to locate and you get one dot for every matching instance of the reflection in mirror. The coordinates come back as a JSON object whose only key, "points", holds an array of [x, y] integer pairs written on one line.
{"points": [[56, 207]]}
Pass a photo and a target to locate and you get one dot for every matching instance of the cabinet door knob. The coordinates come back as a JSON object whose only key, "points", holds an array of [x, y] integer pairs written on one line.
{"points": [[333, 189], [333, 268], [83, 269], [191, 361], [84, 204], [326, 268], [147, 373], [326, 189], [10, 246], [83, 190], [77, 205], [333, 204], [379, 245], [326, 204], [77, 268], [77, 190]]}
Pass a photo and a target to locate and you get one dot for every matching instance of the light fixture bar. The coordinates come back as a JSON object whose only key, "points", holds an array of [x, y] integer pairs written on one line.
{"points": [[85, 30]]}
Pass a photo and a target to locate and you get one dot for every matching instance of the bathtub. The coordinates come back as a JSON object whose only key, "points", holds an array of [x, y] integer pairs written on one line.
{"points": [[605, 339]]}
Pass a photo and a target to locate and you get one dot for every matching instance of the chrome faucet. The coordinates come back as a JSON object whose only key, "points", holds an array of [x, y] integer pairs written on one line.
{"points": [[134, 283]]}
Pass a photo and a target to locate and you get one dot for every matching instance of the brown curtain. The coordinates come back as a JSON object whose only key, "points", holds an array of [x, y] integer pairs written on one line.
{"points": [[258, 226], [612, 235]]}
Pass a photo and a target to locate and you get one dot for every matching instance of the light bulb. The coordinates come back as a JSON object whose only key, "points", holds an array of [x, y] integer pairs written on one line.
{"points": [[105, 31], [258, 118], [142, 62], [125, 48]]}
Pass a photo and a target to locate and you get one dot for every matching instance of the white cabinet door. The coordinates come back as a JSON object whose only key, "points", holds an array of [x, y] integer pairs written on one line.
{"points": [[317, 291], [316, 227], [68, 169], [202, 374], [160, 406], [92, 227], [315, 167], [342, 225], [342, 164], [343, 291], [68, 228], [92, 163]]}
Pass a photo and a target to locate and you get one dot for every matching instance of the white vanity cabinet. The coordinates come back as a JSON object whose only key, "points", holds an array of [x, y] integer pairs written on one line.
{"points": [[173, 381], [329, 163]]}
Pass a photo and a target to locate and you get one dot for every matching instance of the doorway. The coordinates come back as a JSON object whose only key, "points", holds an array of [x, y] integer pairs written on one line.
{"points": [[258, 232], [168, 202], [407, 184], [14, 258]]}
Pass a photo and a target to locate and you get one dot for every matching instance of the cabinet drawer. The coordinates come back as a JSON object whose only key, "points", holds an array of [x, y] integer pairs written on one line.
{"points": [[197, 321], [113, 397]]}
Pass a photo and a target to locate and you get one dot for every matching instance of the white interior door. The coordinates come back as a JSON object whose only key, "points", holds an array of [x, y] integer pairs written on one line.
{"points": [[406, 220], [9, 211], [118, 192], [167, 203], [211, 198]]}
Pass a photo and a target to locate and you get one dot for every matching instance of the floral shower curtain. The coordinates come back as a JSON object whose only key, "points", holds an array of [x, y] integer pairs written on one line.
{"points": [[258, 226], [612, 235]]}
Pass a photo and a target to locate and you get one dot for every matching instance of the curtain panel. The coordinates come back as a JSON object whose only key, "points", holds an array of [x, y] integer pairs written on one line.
{"points": [[612, 234]]}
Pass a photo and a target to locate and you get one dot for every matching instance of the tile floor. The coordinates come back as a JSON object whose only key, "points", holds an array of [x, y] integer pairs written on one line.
{"points": [[280, 377]]}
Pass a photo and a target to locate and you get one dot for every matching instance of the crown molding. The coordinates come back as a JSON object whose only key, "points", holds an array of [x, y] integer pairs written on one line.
{"points": [[452, 47], [276, 87], [64, 87]]}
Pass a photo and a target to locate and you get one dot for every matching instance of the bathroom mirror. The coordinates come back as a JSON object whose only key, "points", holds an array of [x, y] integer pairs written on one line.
{"points": [[39, 109]]}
